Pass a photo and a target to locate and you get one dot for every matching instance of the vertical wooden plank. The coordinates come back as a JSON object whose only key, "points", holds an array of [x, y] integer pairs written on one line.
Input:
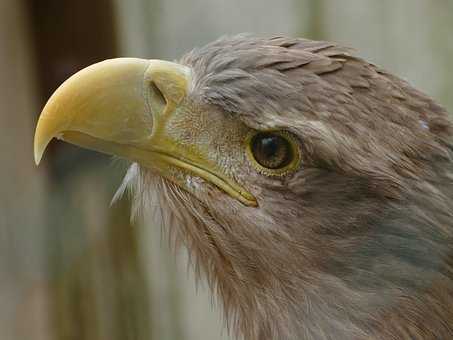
{"points": [[440, 29], [316, 25], [23, 289]]}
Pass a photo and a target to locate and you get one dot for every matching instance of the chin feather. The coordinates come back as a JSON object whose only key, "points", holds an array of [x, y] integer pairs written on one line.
{"points": [[194, 223], [180, 215]]}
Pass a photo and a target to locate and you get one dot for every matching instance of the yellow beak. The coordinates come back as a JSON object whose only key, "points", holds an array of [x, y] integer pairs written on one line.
{"points": [[121, 107]]}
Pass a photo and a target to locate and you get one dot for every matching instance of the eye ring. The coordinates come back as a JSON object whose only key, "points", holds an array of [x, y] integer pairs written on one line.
{"points": [[273, 153]]}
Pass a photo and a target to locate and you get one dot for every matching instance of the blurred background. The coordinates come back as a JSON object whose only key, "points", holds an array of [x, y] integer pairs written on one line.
{"points": [[71, 266]]}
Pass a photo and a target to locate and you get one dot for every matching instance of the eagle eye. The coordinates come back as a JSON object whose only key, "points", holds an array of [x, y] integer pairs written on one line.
{"points": [[273, 153]]}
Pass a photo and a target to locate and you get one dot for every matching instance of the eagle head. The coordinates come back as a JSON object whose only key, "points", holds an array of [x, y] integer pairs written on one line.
{"points": [[312, 188]]}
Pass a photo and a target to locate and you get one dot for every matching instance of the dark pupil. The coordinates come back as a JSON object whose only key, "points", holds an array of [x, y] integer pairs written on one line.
{"points": [[271, 150]]}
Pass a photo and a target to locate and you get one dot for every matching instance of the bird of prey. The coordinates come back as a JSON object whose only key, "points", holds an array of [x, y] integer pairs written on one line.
{"points": [[313, 189]]}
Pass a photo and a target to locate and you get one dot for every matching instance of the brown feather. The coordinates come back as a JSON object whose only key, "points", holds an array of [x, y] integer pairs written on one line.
{"points": [[357, 244]]}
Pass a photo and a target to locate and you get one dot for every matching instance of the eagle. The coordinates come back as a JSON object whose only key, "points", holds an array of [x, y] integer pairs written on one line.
{"points": [[312, 188]]}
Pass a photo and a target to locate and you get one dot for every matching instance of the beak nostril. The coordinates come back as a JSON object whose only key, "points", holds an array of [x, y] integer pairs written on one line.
{"points": [[158, 96], [170, 79]]}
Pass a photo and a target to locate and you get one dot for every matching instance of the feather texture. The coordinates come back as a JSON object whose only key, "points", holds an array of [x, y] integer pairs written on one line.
{"points": [[358, 243]]}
